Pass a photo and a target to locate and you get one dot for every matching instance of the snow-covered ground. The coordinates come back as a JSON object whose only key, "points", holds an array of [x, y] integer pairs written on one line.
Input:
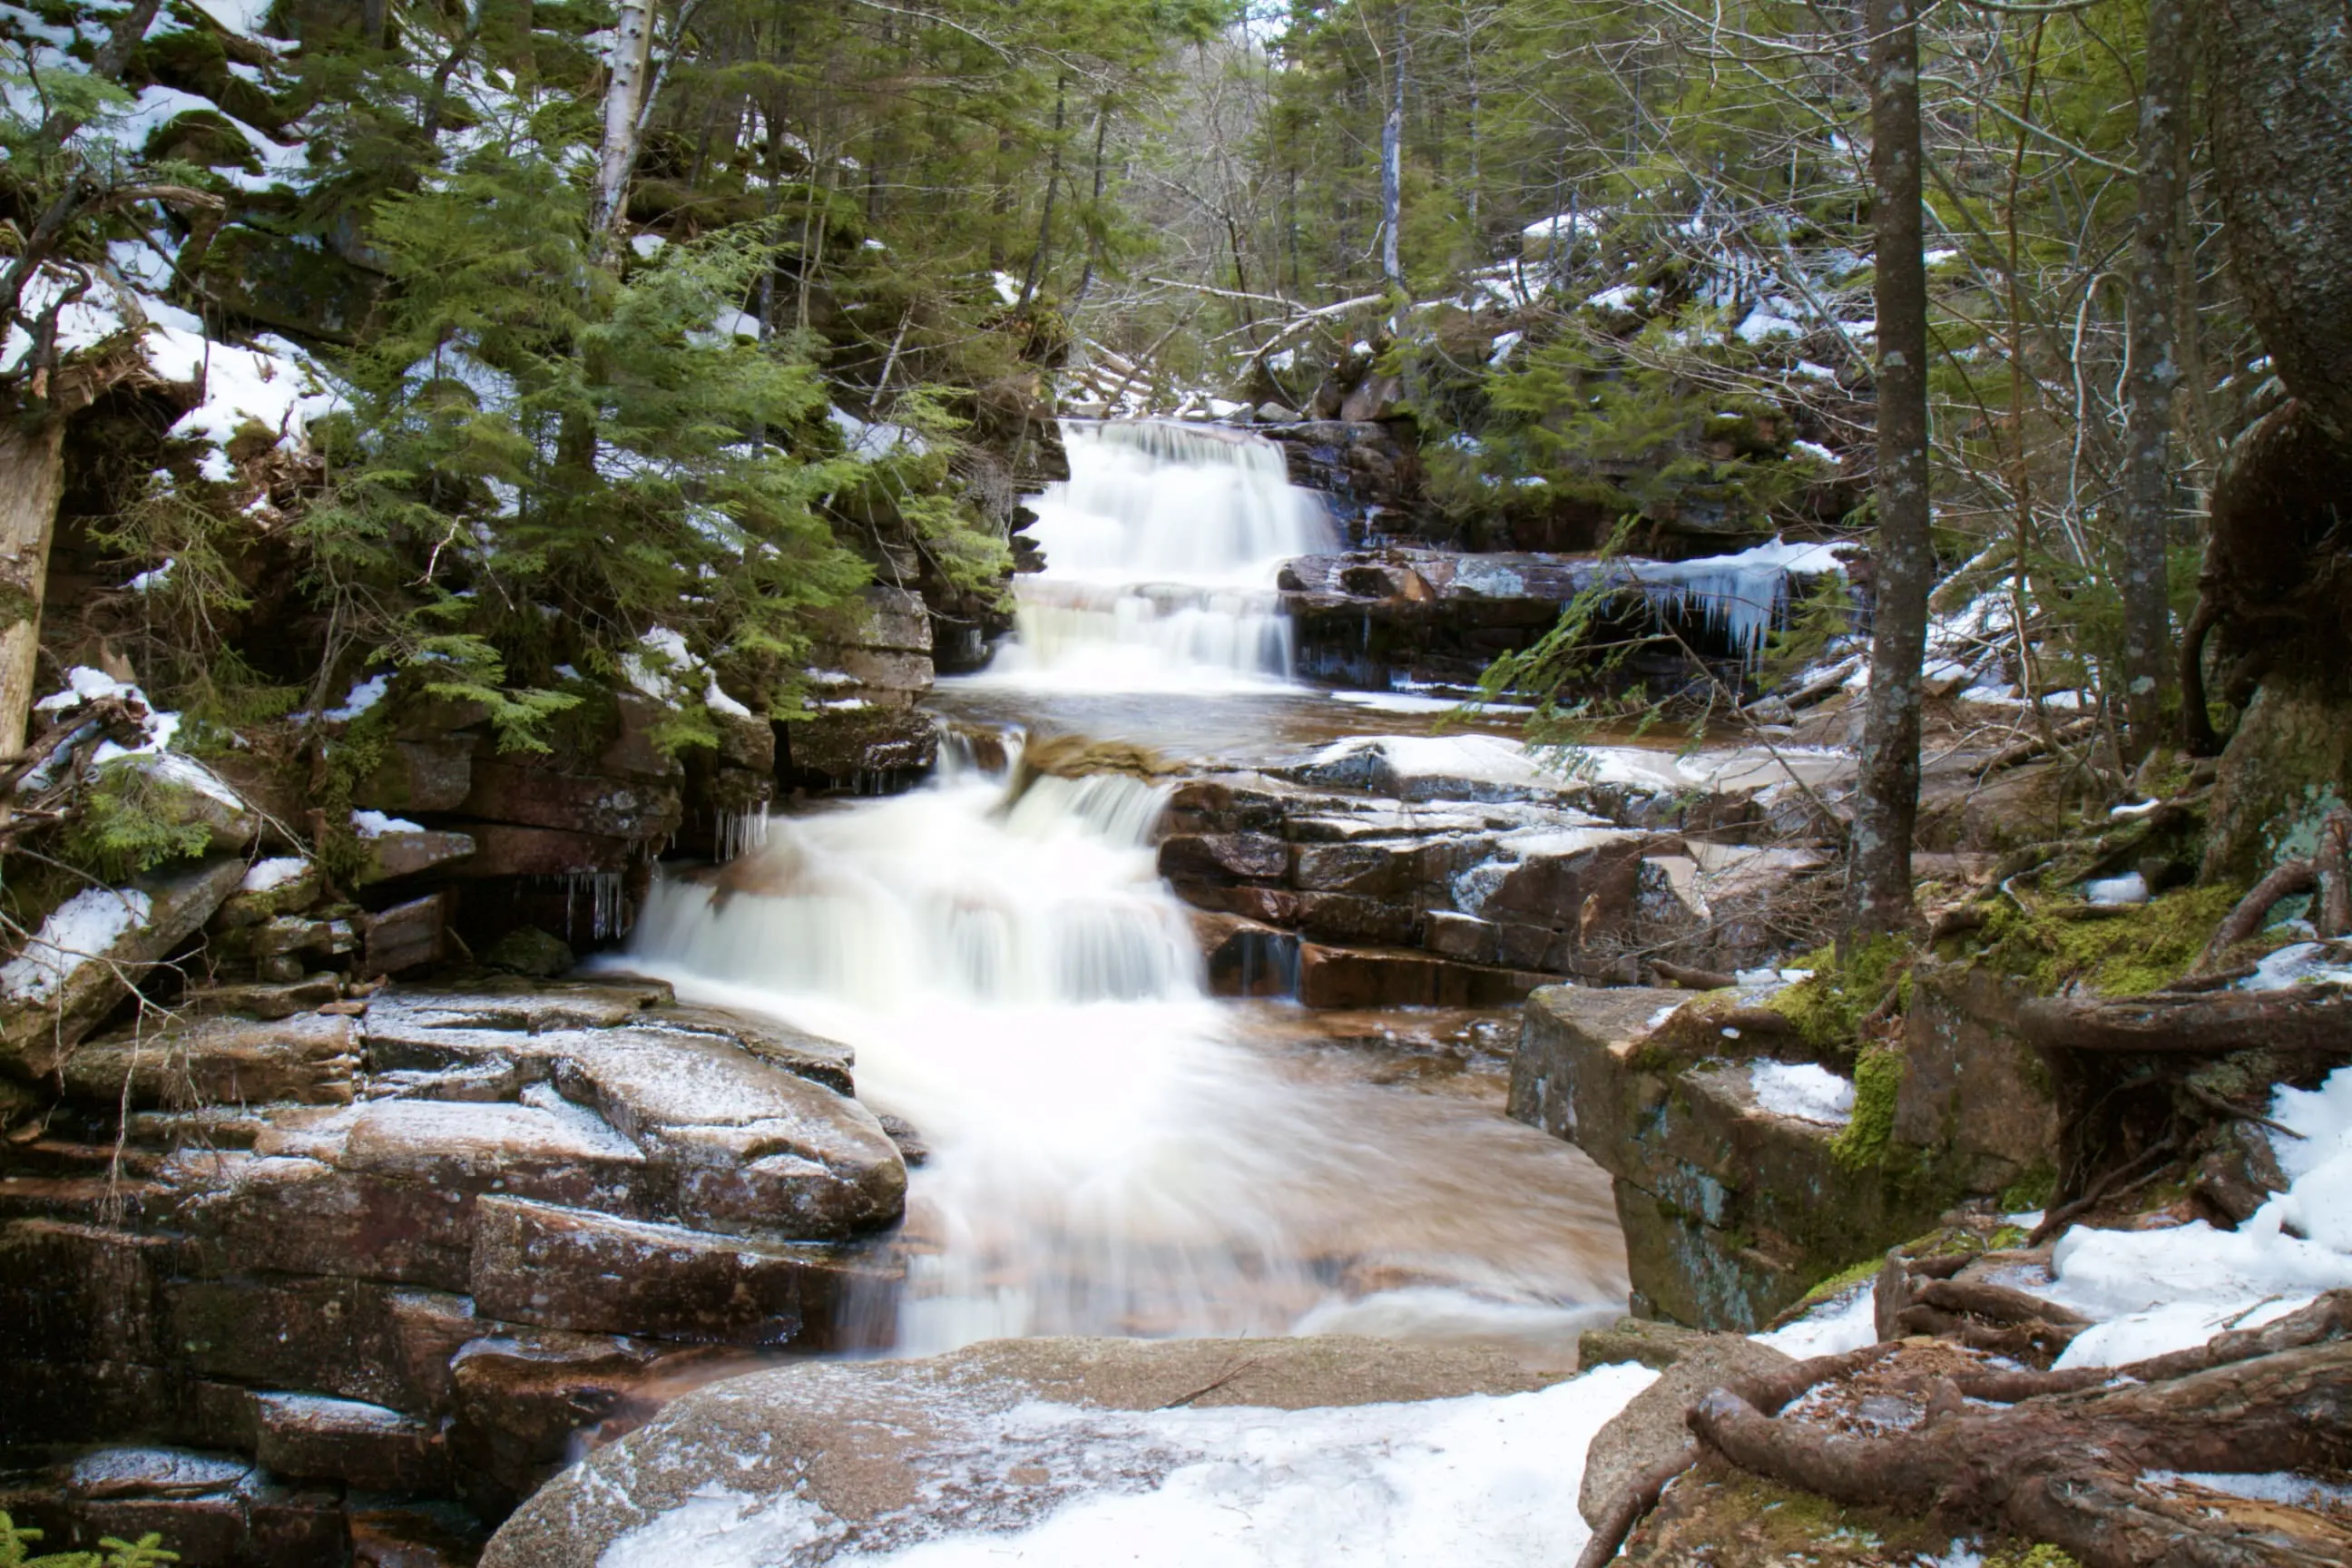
{"points": [[1482, 1479]]}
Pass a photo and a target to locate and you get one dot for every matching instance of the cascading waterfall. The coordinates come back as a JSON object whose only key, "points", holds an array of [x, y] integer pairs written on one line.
{"points": [[1019, 984], [1161, 551]]}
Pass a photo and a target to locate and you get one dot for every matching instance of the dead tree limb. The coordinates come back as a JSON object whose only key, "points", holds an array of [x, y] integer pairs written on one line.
{"points": [[1693, 979]]}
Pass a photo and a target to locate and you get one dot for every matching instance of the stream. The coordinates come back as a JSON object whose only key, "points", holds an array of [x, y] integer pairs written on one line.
{"points": [[1112, 1151]]}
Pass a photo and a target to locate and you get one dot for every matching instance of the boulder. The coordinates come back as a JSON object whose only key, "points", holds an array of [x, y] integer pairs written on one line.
{"points": [[406, 936], [883, 1453], [527, 950], [1651, 1429], [81, 961], [748, 1146], [281, 886], [305, 1060], [844, 748]]}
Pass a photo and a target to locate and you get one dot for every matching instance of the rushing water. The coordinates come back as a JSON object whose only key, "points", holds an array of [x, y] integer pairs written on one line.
{"points": [[1113, 1150], [1161, 549]]}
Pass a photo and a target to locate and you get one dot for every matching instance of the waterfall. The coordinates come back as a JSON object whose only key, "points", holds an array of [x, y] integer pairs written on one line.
{"points": [[1161, 549]]}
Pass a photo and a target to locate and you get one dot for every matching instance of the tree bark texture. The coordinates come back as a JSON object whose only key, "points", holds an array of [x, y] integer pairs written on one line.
{"points": [[1886, 801], [2280, 75], [32, 473], [2155, 372], [624, 99]]}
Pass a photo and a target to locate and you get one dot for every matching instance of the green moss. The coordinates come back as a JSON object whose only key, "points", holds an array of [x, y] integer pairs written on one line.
{"points": [[1877, 1077], [2030, 1191], [1836, 1284], [2124, 954], [2042, 1556], [1829, 1009]]}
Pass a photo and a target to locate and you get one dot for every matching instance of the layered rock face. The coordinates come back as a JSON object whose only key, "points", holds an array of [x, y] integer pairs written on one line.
{"points": [[412, 1245], [1457, 873], [1737, 1189]]}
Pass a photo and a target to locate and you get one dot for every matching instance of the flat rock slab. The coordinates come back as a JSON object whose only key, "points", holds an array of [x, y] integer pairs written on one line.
{"points": [[874, 1455], [305, 1060]]}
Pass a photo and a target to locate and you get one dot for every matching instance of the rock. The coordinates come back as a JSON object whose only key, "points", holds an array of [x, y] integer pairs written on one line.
{"points": [[419, 775], [1653, 1343], [527, 950], [1652, 1430], [812, 1057], [844, 748], [1379, 397], [405, 936], [276, 886], [314, 1438], [567, 1269], [1357, 977], [81, 961], [210, 1508], [304, 1215], [305, 1060], [1730, 1212], [361, 1340], [502, 1002], [2239, 1173], [503, 849], [1970, 1085], [750, 1146], [266, 1002], [519, 788], [409, 853], [869, 1442], [183, 793], [79, 1294]]}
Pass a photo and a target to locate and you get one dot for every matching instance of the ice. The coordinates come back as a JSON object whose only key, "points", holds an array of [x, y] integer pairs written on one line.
{"points": [[75, 932], [1483, 1479], [1807, 1092], [1743, 595]]}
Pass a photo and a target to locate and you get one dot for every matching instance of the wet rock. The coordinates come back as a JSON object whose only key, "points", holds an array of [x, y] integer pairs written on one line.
{"points": [[210, 1508], [519, 1400], [311, 1438], [527, 950], [867, 1442], [305, 1060], [72, 1293], [304, 1215], [81, 962], [1235, 856], [518, 788], [2239, 1173], [1653, 1343], [567, 1269], [84, 1402], [504, 850], [1357, 977], [360, 1340], [812, 1057], [1247, 958], [859, 749], [519, 1002]]}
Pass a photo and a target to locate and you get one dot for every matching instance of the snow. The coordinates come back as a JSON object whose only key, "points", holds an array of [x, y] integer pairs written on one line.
{"points": [[364, 695], [263, 875], [376, 825], [1762, 324], [2303, 963], [76, 932], [1008, 287], [242, 18], [1807, 1092], [1816, 451], [1503, 347], [2131, 887], [1743, 595], [151, 579], [1484, 1479], [1624, 297], [1846, 1321], [2133, 808], [84, 684], [2151, 1291], [718, 702], [2280, 1487], [669, 655], [874, 441]]}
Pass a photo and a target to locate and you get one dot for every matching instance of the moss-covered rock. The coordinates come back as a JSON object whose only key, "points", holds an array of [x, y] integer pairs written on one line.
{"points": [[2288, 764]]}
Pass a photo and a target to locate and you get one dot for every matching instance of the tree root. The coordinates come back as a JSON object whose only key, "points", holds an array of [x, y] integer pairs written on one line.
{"points": [[2331, 914], [2288, 879], [2062, 1468], [1692, 979]]}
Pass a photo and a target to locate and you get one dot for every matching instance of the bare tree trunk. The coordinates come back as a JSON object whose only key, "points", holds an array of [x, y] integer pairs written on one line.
{"points": [[1886, 801], [624, 99], [1392, 158], [32, 473], [2156, 328], [1053, 187]]}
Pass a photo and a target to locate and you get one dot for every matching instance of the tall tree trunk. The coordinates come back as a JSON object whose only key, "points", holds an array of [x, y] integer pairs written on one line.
{"points": [[1035, 274], [32, 473], [1094, 213], [624, 100], [2155, 327], [1392, 159], [1886, 801]]}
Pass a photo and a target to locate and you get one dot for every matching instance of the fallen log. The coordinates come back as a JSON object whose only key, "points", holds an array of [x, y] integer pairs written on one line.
{"points": [[2301, 1017]]}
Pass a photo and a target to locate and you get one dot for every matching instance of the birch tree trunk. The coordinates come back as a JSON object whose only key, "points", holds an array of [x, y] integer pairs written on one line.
{"points": [[32, 473], [625, 100], [2156, 328], [1392, 159], [1886, 799]]}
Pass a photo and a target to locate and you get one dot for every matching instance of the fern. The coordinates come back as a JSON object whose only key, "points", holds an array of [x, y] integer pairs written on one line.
{"points": [[147, 1551]]}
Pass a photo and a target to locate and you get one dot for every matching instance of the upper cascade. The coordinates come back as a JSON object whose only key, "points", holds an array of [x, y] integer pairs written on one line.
{"points": [[1161, 553]]}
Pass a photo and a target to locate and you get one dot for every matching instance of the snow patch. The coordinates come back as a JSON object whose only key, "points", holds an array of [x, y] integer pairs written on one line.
{"points": [[76, 932], [1801, 1090], [263, 875], [376, 825], [1846, 1321]]}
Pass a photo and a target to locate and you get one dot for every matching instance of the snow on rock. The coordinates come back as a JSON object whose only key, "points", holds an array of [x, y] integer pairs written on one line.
{"points": [[2131, 887], [365, 694], [263, 875], [1479, 1478], [2303, 964], [1846, 1321], [76, 932], [1744, 594], [669, 656], [1801, 1090], [376, 825]]}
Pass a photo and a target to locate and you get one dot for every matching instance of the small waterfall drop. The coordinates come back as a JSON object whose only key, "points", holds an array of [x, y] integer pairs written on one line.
{"points": [[1161, 551]]}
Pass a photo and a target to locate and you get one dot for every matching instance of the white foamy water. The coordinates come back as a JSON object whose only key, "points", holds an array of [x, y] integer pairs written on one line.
{"points": [[1107, 1158], [1161, 551]]}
